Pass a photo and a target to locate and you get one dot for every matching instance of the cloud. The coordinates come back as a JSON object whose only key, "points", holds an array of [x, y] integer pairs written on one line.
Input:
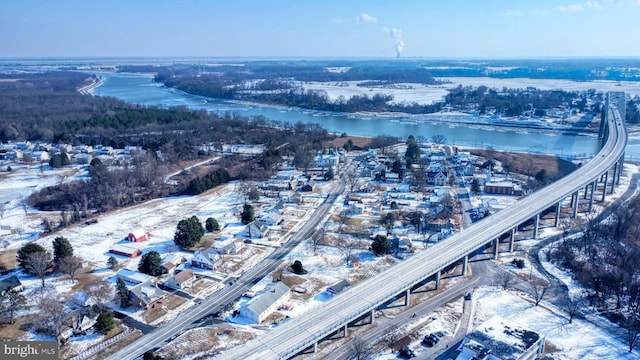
{"points": [[510, 12], [593, 5], [570, 8], [366, 18]]}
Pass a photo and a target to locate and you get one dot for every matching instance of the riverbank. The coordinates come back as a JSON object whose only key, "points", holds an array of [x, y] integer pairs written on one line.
{"points": [[89, 89]]}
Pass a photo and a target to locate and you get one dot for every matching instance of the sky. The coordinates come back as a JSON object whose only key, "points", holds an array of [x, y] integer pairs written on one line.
{"points": [[327, 28]]}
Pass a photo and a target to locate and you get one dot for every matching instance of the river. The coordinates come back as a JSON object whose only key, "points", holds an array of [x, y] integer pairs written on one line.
{"points": [[140, 89]]}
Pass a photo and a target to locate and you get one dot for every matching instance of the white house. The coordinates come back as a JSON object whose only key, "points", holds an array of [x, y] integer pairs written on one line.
{"points": [[228, 246], [205, 259], [182, 280], [269, 301], [254, 230]]}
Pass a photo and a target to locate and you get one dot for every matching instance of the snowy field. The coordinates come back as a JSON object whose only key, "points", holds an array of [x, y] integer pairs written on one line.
{"points": [[429, 94]]}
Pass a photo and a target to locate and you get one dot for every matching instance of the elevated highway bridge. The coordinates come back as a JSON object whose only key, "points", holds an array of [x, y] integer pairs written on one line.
{"points": [[304, 332]]}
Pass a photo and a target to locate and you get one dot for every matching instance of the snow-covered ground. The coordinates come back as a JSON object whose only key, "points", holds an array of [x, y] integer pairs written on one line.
{"points": [[429, 94]]}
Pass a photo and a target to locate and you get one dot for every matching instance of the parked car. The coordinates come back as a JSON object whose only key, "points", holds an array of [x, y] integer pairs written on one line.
{"points": [[407, 353], [427, 341]]}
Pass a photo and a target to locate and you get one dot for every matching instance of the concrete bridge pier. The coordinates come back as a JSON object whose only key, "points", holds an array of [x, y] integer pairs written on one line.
{"points": [[575, 206], [465, 263], [536, 221], [512, 239], [407, 297], [557, 221], [621, 162], [496, 248], [604, 188], [437, 280], [615, 176], [592, 185]]}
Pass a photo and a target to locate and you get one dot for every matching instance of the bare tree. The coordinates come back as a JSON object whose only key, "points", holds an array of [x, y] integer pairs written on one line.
{"points": [[38, 263], [439, 139], [505, 280], [343, 217], [51, 316], [346, 249], [633, 330], [100, 292], [391, 337], [539, 290], [317, 239], [572, 307], [69, 265], [359, 350]]}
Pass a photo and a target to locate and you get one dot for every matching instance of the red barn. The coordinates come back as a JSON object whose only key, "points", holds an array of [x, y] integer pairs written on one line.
{"points": [[124, 250], [138, 235]]}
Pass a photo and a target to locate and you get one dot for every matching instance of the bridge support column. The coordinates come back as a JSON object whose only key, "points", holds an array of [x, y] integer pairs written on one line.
{"points": [[345, 331], [536, 221], [465, 263], [586, 191], [407, 297], [372, 315], [613, 179], [557, 221], [593, 189], [496, 248], [512, 239], [575, 206], [315, 347], [621, 161], [604, 187], [437, 280]]}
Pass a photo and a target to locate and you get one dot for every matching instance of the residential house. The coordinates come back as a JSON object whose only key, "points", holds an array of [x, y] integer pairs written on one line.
{"points": [[261, 306], [270, 216], [437, 178], [228, 246], [254, 230], [182, 280], [10, 283], [338, 288], [78, 322], [205, 259], [170, 262], [308, 187], [146, 295]]}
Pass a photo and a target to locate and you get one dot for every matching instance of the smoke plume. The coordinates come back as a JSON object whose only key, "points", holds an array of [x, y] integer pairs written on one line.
{"points": [[396, 34]]}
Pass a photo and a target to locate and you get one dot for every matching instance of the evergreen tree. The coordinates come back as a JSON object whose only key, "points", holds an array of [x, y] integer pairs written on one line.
{"points": [[381, 245], [104, 322], [61, 249], [112, 262], [150, 263], [11, 302], [413, 150], [122, 293], [247, 215], [475, 187], [27, 249], [188, 232], [149, 355], [212, 224]]}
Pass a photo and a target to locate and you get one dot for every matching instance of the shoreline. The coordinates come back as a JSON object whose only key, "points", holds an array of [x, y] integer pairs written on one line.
{"points": [[88, 89]]}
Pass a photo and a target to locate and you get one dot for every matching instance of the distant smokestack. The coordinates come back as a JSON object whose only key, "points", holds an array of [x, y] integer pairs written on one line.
{"points": [[398, 43]]}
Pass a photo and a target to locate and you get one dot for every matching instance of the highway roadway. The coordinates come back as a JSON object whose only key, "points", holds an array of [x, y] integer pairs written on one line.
{"points": [[304, 331], [229, 294]]}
